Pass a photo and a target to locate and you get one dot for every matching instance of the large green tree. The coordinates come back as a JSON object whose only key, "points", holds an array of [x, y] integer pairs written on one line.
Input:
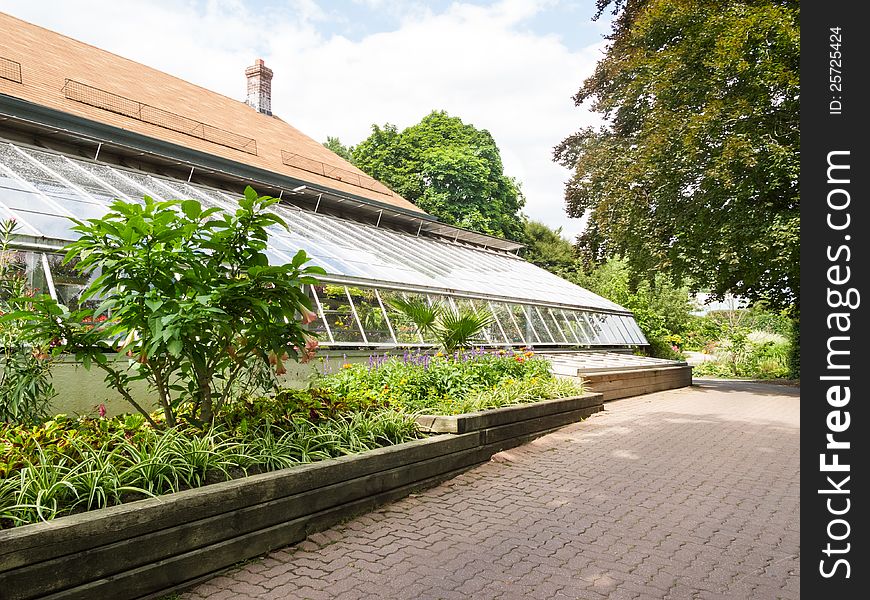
{"points": [[547, 248], [695, 172], [450, 169]]}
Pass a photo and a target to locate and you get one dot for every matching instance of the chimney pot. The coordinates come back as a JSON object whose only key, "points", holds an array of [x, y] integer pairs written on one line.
{"points": [[259, 87]]}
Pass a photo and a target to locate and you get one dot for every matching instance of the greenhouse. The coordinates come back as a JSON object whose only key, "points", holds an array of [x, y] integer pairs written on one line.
{"points": [[367, 265], [74, 138]]}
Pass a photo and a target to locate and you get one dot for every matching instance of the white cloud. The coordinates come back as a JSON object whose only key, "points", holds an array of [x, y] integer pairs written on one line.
{"points": [[476, 62]]}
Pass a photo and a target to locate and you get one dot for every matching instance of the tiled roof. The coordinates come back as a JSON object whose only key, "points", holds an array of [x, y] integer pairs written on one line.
{"points": [[52, 70]]}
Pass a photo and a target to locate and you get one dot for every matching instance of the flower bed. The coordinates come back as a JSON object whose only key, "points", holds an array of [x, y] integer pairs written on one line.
{"points": [[156, 545], [462, 382], [70, 465]]}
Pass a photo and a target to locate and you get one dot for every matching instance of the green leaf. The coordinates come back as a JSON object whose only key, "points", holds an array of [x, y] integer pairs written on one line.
{"points": [[191, 209]]}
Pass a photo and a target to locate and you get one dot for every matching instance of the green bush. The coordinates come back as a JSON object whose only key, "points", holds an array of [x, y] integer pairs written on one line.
{"points": [[187, 293], [26, 390], [418, 382], [752, 354], [663, 348]]}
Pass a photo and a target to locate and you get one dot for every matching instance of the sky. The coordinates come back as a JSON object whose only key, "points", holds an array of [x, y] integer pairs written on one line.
{"points": [[508, 66]]}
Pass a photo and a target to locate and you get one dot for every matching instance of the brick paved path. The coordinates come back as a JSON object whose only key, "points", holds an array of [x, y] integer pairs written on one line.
{"points": [[689, 493]]}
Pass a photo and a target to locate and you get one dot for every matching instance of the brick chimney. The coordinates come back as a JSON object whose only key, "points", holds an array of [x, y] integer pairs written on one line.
{"points": [[259, 87]]}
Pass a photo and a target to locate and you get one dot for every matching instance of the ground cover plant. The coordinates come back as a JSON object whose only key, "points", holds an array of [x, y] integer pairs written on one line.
{"points": [[464, 381], [72, 464], [69, 465]]}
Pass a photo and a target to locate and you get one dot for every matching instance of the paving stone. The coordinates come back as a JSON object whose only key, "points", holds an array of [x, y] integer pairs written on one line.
{"points": [[659, 496]]}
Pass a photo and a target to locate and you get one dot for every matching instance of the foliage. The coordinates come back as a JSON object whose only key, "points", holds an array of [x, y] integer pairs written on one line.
{"points": [[745, 353], [547, 248], [450, 169], [662, 348], [452, 330], [335, 145], [445, 384], [696, 171], [69, 465], [25, 379], [794, 357], [188, 294], [660, 308]]}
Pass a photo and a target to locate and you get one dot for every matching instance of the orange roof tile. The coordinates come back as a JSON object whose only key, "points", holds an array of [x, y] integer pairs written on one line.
{"points": [[64, 74]]}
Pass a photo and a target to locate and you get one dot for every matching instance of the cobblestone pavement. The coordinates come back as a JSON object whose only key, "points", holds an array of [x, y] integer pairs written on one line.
{"points": [[689, 493]]}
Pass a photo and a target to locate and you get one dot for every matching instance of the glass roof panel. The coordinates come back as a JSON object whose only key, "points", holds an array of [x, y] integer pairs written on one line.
{"points": [[343, 247]]}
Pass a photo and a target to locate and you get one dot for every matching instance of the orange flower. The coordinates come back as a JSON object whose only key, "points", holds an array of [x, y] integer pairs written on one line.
{"points": [[346, 366], [519, 358], [307, 315]]}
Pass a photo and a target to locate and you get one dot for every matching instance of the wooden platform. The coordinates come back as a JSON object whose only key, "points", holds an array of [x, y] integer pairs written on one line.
{"points": [[618, 375]]}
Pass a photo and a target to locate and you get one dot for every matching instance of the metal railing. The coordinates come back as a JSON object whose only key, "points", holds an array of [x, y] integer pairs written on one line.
{"points": [[93, 96], [292, 159], [10, 69]]}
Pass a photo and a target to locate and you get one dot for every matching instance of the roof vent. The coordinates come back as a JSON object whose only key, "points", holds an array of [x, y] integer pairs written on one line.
{"points": [[259, 87]]}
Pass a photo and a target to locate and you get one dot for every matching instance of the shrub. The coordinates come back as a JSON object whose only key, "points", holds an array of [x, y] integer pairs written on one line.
{"points": [[190, 297], [25, 378], [418, 382], [664, 348], [754, 354]]}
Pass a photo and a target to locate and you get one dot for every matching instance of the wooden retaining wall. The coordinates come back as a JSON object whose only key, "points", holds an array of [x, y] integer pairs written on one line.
{"points": [[634, 382], [155, 546]]}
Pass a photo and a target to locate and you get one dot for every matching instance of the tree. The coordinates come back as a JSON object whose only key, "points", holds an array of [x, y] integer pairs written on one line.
{"points": [[660, 307], [187, 294], [334, 144], [696, 171], [449, 169], [547, 248]]}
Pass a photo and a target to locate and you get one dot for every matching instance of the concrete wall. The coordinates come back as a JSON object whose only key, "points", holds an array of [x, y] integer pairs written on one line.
{"points": [[80, 391]]}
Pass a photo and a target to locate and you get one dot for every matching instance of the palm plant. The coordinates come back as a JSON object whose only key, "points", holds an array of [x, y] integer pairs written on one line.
{"points": [[452, 330]]}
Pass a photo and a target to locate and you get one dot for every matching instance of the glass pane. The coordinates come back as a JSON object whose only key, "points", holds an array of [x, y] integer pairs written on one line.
{"points": [[588, 328], [490, 334], [618, 327], [338, 313], [372, 317], [596, 320], [117, 179], [66, 200], [318, 327], [638, 333], [71, 174], [538, 325], [404, 328], [508, 324], [69, 284], [574, 322], [556, 325], [569, 326], [524, 321], [24, 268]]}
